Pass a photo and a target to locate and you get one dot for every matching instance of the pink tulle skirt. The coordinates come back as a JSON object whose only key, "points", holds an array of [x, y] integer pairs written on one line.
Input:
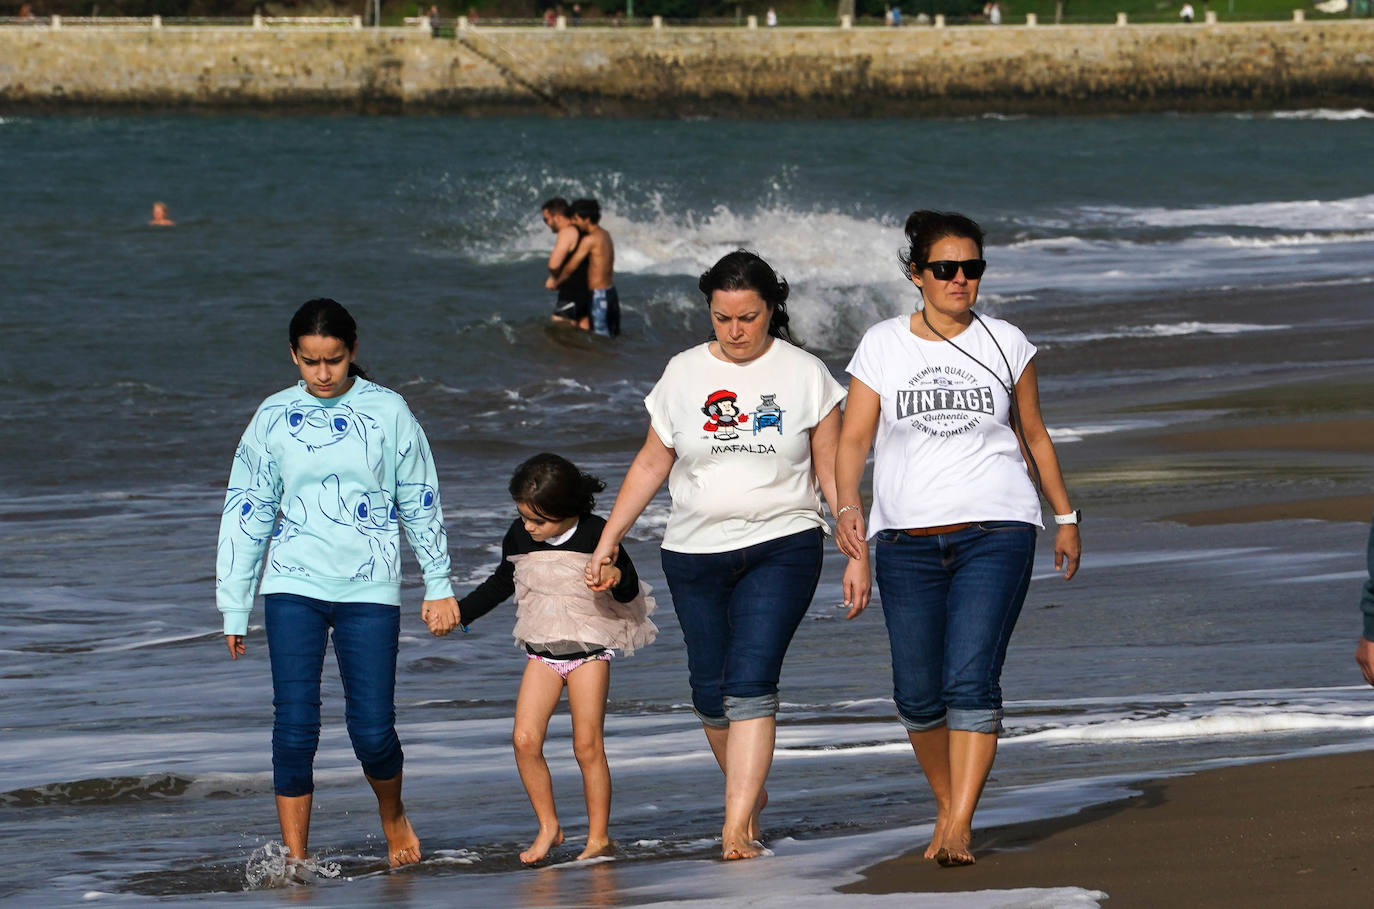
{"points": [[557, 613]]}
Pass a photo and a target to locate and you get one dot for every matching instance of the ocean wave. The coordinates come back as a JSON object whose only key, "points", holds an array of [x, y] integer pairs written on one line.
{"points": [[1316, 113], [1161, 330], [111, 790], [1228, 724]]}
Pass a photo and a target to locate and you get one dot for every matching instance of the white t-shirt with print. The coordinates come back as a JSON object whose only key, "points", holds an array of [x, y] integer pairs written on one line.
{"points": [[945, 452], [741, 433]]}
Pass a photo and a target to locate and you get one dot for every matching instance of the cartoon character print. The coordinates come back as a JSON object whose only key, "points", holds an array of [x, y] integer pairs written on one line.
{"points": [[293, 517], [418, 506], [255, 503], [768, 415], [372, 514], [723, 414], [316, 426]]}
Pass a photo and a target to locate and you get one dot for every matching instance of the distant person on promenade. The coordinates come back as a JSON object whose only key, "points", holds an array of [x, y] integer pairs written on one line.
{"points": [[993, 12], [574, 304], [771, 17], [597, 251], [328, 473], [896, 17], [1364, 653], [743, 428], [160, 218], [26, 11], [952, 400], [1186, 13]]}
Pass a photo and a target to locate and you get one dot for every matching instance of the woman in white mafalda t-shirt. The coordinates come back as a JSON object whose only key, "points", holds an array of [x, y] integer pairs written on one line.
{"points": [[951, 398], [744, 429]]}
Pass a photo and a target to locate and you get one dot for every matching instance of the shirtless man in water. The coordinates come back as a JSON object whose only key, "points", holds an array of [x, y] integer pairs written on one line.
{"points": [[574, 299], [596, 250]]}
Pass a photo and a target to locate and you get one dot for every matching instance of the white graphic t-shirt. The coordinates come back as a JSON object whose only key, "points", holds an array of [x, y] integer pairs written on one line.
{"points": [[741, 433], [945, 451]]}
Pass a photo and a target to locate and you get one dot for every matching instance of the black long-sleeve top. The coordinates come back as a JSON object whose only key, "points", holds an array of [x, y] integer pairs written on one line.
{"points": [[500, 587]]}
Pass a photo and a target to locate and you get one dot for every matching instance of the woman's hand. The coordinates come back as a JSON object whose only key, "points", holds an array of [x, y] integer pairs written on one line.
{"points": [[858, 586], [849, 533], [1068, 546], [441, 616], [236, 646], [600, 566]]}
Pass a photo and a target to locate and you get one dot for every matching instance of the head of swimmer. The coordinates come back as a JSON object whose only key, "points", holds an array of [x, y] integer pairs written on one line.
{"points": [[551, 495], [748, 304], [555, 214], [585, 214], [324, 347], [937, 235]]}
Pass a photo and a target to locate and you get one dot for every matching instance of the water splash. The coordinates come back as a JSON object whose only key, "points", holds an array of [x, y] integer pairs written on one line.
{"points": [[271, 866]]}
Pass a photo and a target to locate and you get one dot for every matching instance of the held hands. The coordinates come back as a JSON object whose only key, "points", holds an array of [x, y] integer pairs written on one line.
{"points": [[236, 646], [441, 616], [601, 566], [850, 535], [1068, 546]]}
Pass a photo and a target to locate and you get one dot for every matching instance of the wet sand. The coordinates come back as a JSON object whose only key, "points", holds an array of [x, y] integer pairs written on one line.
{"points": [[1289, 833]]}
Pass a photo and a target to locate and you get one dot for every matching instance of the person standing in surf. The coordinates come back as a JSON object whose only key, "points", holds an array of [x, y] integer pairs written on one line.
{"points": [[952, 399], [574, 298], [596, 252], [346, 466], [744, 429], [568, 632]]}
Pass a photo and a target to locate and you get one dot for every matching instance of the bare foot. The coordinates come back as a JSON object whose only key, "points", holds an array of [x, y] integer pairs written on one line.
{"points": [[402, 845], [954, 852], [754, 830], [937, 838], [597, 848], [545, 841], [733, 848]]}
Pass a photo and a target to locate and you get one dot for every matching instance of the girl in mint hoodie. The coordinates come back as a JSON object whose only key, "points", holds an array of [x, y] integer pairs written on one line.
{"points": [[326, 475]]}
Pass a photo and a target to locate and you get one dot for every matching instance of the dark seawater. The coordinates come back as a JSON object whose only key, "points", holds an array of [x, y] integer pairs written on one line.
{"points": [[1156, 261]]}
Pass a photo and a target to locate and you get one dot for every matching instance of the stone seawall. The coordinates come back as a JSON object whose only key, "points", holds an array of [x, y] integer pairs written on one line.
{"points": [[696, 71]]}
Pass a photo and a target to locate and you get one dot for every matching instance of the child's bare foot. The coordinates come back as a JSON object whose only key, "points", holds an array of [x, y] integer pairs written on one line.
{"points": [[546, 840], [402, 845], [597, 848], [937, 838], [754, 831], [954, 852]]}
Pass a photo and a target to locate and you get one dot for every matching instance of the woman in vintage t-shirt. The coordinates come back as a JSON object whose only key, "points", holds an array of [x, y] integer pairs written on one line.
{"points": [[951, 398], [744, 429]]}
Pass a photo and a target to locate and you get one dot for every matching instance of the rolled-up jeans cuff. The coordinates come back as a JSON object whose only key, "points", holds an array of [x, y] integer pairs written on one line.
{"points": [[987, 721], [920, 725], [750, 708], [715, 722]]}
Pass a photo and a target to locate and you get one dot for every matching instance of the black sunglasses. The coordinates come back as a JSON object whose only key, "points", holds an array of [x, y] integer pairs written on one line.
{"points": [[946, 269]]}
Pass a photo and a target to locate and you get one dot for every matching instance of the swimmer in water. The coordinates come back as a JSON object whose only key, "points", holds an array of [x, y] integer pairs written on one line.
{"points": [[160, 218]]}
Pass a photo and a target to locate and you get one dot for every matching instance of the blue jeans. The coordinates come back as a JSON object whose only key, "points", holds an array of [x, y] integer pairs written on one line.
{"points": [[738, 611], [366, 639], [950, 603]]}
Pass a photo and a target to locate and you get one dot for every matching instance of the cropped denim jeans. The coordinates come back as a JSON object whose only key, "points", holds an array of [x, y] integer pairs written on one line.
{"points": [[950, 602], [738, 611], [366, 638]]}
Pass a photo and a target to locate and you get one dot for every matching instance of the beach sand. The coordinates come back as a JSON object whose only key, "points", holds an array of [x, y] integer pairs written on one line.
{"points": [[1289, 833]]}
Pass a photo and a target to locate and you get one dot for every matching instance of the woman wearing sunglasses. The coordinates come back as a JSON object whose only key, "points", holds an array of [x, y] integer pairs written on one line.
{"points": [[948, 400]]}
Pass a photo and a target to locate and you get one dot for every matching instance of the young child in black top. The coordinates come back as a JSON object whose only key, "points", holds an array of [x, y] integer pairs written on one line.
{"points": [[568, 631]]}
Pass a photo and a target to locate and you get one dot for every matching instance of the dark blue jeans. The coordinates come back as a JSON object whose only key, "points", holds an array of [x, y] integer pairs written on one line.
{"points": [[950, 602], [366, 638], [738, 611]]}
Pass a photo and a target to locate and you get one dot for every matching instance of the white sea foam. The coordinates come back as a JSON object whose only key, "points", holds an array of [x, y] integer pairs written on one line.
{"points": [[1160, 330], [1318, 113], [1079, 433]]}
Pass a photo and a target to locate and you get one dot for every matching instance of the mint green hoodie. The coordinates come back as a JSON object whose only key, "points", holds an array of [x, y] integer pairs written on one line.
{"points": [[345, 474]]}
